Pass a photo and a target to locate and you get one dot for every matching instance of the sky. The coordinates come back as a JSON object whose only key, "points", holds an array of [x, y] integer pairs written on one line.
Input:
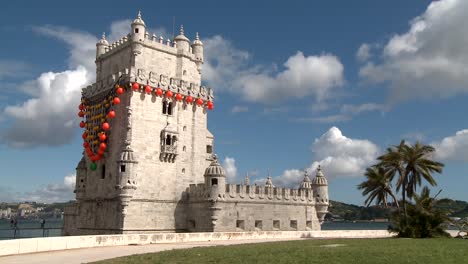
{"points": [[297, 84]]}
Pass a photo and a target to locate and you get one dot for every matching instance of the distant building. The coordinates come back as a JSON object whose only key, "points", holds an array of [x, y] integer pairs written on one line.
{"points": [[148, 164]]}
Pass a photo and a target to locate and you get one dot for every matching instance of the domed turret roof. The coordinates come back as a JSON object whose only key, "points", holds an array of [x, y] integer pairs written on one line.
{"points": [[139, 20], [103, 40], [197, 41], [82, 164], [319, 178], [215, 169], [306, 182], [181, 36]]}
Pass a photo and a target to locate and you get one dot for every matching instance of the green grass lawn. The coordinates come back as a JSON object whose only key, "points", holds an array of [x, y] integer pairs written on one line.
{"points": [[393, 250]]}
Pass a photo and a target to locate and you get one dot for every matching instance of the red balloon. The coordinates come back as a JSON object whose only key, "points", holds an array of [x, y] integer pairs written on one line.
{"points": [[120, 90], [82, 124], [102, 137], [85, 144], [189, 99], [135, 86], [81, 107], [116, 101], [100, 152], [169, 94], [105, 126], [102, 146], [159, 92], [111, 114], [84, 136], [210, 105], [178, 97], [81, 114], [98, 157], [148, 89], [199, 101]]}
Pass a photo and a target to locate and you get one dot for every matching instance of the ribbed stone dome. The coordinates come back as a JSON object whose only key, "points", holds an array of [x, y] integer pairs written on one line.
{"points": [[319, 178], [127, 156], [215, 169], [181, 36], [306, 182], [139, 20]]}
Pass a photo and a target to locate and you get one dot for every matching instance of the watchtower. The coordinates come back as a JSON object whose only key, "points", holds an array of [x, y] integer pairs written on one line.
{"points": [[146, 136]]}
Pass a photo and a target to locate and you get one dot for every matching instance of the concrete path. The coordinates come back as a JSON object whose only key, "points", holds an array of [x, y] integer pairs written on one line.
{"points": [[86, 255]]}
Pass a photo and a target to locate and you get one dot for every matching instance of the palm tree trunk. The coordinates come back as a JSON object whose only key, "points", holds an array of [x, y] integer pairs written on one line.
{"points": [[395, 200]]}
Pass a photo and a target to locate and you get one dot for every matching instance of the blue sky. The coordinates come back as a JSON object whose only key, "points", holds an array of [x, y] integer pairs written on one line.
{"points": [[329, 82]]}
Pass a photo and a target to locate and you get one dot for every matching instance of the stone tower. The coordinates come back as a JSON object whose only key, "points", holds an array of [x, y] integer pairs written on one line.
{"points": [[320, 188], [156, 142]]}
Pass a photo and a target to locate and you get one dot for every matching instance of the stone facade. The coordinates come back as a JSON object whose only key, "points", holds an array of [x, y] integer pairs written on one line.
{"points": [[158, 172]]}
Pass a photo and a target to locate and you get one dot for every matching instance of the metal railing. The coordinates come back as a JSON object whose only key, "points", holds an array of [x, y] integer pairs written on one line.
{"points": [[26, 232]]}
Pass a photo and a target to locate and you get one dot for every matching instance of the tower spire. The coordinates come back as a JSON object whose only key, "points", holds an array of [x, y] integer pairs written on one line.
{"points": [[181, 30]]}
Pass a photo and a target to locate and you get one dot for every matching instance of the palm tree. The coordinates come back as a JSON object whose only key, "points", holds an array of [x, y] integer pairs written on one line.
{"points": [[393, 163], [419, 166], [377, 187], [412, 164]]}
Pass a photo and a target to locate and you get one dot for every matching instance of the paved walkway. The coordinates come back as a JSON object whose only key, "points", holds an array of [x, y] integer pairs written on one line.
{"points": [[86, 255]]}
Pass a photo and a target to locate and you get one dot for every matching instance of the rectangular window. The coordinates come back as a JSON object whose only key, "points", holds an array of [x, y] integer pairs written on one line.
{"points": [[214, 182], [103, 172], [258, 224], [240, 225], [209, 149], [276, 224], [122, 168], [293, 224]]}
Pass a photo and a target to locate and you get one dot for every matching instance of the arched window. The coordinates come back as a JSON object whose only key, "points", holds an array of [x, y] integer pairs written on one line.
{"points": [[164, 107], [168, 140], [169, 109], [136, 30]]}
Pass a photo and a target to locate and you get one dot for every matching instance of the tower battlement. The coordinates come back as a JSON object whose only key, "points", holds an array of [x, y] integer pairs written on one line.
{"points": [[148, 163], [246, 193]]}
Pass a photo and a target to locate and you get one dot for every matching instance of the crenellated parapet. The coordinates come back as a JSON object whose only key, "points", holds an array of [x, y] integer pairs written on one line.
{"points": [[152, 79], [252, 193], [139, 37]]}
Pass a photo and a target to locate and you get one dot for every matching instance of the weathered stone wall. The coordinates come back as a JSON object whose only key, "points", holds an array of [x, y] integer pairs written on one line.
{"points": [[31, 245], [250, 208]]}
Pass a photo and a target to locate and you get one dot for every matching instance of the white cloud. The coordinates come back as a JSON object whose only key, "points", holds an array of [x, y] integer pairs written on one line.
{"points": [[453, 147], [347, 112], [49, 117], [239, 109], [13, 69], [229, 165], [343, 156], [325, 119], [50, 193], [227, 68], [363, 53], [430, 60], [357, 109], [338, 155]]}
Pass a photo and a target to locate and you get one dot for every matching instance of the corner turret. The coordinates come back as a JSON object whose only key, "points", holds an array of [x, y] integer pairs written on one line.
{"points": [[183, 43], [197, 48], [101, 45], [80, 185], [320, 188], [215, 179], [138, 28], [306, 183]]}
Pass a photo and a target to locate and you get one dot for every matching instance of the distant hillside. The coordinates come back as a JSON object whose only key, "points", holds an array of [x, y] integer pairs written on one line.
{"points": [[351, 212]]}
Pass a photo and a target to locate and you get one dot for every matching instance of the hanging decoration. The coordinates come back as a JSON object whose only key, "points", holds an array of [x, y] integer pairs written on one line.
{"points": [[98, 113]]}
